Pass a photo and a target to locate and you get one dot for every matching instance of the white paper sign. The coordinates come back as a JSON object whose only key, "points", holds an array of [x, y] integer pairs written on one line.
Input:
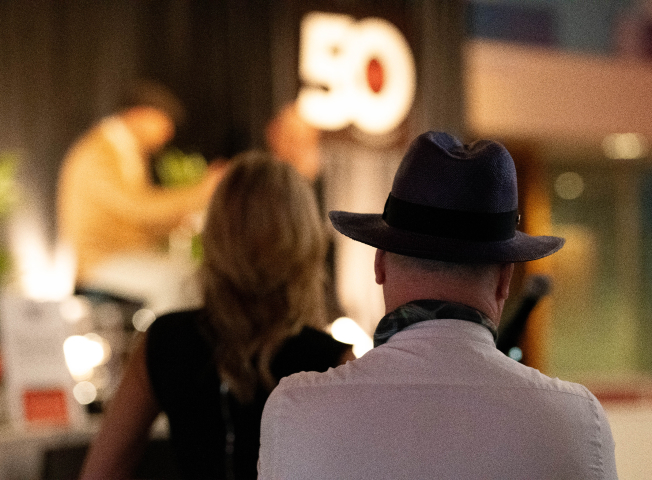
{"points": [[39, 385]]}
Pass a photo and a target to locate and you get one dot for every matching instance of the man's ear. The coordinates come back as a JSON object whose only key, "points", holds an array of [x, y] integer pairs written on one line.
{"points": [[504, 279], [379, 266]]}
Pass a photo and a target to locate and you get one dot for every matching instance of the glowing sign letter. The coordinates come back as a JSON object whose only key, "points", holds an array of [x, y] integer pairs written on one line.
{"points": [[359, 73], [323, 65]]}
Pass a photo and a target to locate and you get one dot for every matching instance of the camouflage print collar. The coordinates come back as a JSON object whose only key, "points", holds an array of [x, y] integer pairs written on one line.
{"points": [[421, 310]]}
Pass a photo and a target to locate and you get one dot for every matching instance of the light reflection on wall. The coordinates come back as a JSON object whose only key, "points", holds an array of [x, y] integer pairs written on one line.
{"points": [[42, 273], [625, 146], [357, 179]]}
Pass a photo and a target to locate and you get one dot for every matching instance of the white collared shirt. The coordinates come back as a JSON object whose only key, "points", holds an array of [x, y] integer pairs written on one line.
{"points": [[437, 401]]}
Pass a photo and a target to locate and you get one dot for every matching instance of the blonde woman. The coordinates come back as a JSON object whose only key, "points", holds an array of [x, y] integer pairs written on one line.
{"points": [[211, 370]]}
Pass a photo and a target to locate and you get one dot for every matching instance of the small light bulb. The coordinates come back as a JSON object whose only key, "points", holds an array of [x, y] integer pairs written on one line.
{"points": [[347, 330], [515, 353], [84, 393]]}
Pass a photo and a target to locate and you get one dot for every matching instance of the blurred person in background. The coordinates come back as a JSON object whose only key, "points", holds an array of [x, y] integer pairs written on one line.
{"points": [[115, 218], [211, 370], [295, 141]]}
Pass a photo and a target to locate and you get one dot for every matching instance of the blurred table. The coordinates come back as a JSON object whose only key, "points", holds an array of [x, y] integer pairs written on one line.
{"points": [[49, 453]]}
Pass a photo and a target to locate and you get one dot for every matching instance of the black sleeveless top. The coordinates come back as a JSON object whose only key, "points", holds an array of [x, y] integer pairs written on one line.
{"points": [[186, 385]]}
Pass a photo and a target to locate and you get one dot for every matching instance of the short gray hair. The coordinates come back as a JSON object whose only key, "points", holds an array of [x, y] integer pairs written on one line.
{"points": [[437, 266]]}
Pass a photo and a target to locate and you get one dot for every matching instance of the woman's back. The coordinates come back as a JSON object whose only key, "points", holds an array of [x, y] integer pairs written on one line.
{"points": [[186, 385]]}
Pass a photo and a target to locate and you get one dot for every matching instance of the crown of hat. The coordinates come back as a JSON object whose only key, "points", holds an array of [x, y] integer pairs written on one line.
{"points": [[439, 171]]}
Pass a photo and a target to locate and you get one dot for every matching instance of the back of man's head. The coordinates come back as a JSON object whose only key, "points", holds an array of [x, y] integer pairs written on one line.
{"points": [[437, 267], [484, 286], [148, 93]]}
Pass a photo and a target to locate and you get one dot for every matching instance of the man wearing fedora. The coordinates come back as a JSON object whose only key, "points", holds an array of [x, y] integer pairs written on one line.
{"points": [[435, 399]]}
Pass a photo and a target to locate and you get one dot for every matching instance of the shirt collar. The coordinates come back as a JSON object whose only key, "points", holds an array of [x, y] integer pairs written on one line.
{"points": [[422, 310]]}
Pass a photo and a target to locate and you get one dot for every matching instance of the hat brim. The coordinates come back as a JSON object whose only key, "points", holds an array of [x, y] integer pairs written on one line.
{"points": [[371, 229]]}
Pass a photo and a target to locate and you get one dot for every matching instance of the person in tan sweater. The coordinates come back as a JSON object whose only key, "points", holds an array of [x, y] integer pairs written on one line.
{"points": [[113, 216]]}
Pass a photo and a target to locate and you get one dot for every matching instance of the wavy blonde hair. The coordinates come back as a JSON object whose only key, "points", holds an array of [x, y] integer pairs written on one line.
{"points": [[263, 269]]}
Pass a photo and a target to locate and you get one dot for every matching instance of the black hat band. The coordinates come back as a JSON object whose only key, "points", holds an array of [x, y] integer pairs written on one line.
{"points": [[440, 222]]}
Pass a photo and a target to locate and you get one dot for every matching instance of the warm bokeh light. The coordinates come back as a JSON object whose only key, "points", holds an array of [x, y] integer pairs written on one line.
{"points": [[625, 146], [569, 185], [84, 392], [44, 275], [348, 331], [84, 353], [142, 319], [104, 343]]}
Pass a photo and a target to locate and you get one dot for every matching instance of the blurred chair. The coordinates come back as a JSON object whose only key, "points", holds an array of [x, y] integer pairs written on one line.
{"points": [[65, 462]]}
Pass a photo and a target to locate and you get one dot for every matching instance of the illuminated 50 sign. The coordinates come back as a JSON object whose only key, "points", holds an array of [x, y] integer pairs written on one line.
{"points": [[359, 73]]}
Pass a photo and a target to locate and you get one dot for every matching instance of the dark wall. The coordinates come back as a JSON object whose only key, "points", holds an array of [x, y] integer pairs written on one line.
{"points": [[216, 54]]}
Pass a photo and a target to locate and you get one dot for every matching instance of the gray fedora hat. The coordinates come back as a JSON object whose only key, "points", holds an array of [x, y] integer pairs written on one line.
{"points": [[450, 202]]}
